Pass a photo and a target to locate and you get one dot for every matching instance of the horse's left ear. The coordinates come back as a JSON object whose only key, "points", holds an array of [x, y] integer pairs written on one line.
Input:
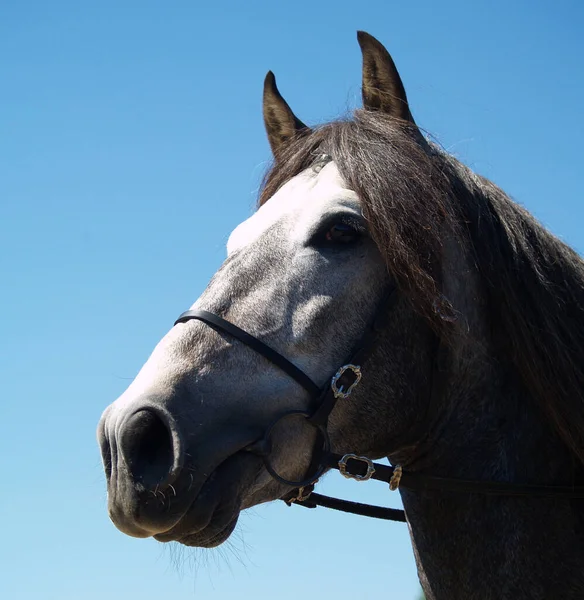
{"points": [[383, 89], [281, 123]]}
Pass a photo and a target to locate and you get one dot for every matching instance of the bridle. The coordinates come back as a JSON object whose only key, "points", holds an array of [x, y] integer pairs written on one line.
{"points": [[353, 466]]}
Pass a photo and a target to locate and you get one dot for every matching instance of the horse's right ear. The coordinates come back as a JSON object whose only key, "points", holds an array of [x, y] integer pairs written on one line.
{"points": [[281, 123]]}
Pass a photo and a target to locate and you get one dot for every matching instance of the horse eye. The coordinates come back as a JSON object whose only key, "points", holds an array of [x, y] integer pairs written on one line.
{"points": [[341, 233]]}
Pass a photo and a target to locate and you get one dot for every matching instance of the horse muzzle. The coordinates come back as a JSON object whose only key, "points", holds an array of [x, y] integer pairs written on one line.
{"points": [[161, 483]]}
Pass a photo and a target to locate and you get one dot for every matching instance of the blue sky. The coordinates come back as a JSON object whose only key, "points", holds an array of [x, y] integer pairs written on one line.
{"points": [[131, 144]]}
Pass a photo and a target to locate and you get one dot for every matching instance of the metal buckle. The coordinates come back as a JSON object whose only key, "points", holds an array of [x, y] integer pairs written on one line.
{"points": [[349, 475], [301, 497], [338, 392], [303, 493]]}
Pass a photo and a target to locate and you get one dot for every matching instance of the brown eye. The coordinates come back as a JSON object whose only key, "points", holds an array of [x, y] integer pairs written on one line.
{"points": [[341, 233]]}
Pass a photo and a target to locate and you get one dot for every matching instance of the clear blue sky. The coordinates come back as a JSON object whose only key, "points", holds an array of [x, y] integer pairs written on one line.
{"points": [[131, 143]]}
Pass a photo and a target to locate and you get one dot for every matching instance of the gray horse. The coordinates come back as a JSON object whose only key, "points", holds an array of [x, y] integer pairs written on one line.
{"points": [[476, 375]]}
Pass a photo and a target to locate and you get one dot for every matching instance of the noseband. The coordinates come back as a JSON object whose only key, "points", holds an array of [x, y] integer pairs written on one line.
{"points": [[352, 466]]}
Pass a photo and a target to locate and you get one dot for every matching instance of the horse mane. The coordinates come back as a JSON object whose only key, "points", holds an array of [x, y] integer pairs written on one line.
{"points": [[412, 193]]}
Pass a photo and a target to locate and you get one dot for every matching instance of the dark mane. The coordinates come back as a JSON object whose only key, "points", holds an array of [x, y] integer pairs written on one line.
{"points": [[412, 194]]}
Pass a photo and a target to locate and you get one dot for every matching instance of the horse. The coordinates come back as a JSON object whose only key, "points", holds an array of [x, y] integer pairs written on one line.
{"points": [[472, 370]]}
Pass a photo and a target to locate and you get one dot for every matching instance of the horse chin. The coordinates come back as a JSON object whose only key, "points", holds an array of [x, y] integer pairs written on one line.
{"points": [[212, 515], [214, 533], [208, 522], [210, 537]]}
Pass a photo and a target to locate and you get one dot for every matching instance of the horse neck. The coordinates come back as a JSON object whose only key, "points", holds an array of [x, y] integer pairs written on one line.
{"points": [[472, 546]]}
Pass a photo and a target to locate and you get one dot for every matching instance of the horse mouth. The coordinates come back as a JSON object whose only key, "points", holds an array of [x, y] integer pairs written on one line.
{"points": [[213, 513]]}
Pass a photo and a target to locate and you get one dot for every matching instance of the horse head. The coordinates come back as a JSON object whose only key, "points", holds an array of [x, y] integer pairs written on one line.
{"points": [[474, 371]]}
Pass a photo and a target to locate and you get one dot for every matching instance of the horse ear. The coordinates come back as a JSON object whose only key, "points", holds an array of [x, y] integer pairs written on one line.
{"points": [[281, 123], [383, 89]]}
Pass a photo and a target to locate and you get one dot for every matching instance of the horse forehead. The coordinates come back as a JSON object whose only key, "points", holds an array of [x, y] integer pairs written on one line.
{"points": [[306, 196]]}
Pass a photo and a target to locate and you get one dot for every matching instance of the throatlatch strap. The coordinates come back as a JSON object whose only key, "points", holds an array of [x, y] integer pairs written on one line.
{"points": [[249, 340]]}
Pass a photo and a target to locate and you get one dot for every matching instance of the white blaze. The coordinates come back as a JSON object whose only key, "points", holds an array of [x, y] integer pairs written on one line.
{"points": [[305, 199]]}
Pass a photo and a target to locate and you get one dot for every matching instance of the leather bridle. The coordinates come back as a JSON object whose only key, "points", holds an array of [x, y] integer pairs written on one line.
{"points": [[352, 466]]}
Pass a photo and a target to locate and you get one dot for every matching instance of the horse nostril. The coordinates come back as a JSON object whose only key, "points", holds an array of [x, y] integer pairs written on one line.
{"points": [[146, 444], [106, 449]]}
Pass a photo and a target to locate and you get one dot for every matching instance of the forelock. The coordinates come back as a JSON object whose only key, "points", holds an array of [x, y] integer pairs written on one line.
{"points": [[401, 187]]}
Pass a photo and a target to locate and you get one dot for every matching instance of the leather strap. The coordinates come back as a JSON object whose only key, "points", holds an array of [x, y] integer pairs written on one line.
{"points": [[355, 508], [249, 340], [422, 482]]}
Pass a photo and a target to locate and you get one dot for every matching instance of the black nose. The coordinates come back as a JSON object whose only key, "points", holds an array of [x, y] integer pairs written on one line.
{"points": [[149, 448]]}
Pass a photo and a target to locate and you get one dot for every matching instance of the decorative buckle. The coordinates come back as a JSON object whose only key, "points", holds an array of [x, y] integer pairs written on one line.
{"points": [[349, 475], [338, 392]]}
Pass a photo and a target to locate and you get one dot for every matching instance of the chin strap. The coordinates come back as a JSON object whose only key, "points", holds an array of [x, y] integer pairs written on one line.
{"points": [[355, 508]]}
